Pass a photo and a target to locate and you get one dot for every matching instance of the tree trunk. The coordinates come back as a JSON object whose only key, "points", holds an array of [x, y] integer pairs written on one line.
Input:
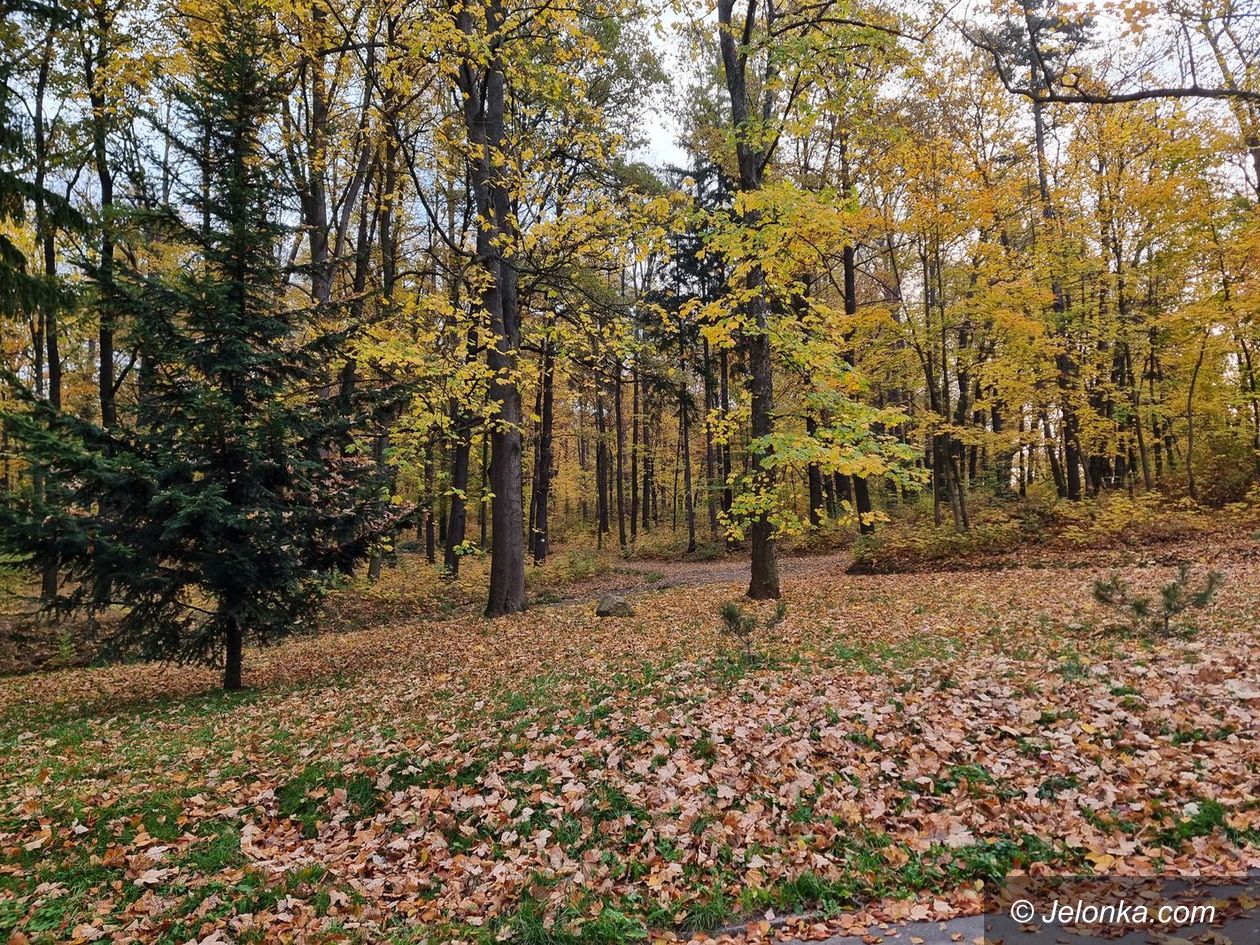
{"points": [[621, 458], [233, 647], [485, 496], [815, 479], [648, 465], [542, 466], [1194, 382], [862, 501], [483, 89], [684, 432], [764, 579], [46, 237], [861, 490], [710, 404], [1066, 366], [602, 498], [634, 453], [430, 545], [95, 63], [764, 582], [457, 521], [724, 395]]}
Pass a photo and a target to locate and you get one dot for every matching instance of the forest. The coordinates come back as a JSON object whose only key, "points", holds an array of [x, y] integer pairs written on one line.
{"points": [[849, 353]]}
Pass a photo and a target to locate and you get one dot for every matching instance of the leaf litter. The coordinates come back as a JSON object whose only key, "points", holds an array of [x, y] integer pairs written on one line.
{"points": [[554, 777]]}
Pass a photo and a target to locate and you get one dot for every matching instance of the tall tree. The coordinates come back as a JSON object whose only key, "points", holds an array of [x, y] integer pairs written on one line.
{"points": [[217, 517]]}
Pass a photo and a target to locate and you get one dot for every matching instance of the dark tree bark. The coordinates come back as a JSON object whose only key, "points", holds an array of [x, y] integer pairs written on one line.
{"points": [[621, 461], [764, 580], [46, 237], [724, 395], [96, 57], [1194, 383], [648, 466], [815, 480], [234, 644], [602, 500], [462, 423], [487, 462], [861, 490], [430, 544], [483, 90], [684, 433], [540, 499], [710, 404], [634, 452]]}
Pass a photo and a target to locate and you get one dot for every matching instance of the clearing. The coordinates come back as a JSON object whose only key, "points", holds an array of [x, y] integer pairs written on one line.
{"points": [[559, 779]]}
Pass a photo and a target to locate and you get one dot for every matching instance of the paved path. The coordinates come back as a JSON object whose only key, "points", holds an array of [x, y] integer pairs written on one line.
{"points": [[1232, 927], [968, 930]]}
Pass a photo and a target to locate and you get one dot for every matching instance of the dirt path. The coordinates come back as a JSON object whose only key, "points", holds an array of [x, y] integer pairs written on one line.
{"points": [[641, 577], [734, 570]]}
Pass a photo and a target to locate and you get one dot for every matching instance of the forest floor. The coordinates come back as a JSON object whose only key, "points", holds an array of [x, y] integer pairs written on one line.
{"points": [[554, 778]]}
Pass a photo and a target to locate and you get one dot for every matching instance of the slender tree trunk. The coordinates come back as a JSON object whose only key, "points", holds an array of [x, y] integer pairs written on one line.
{"points": [[46, 237], [1065, 364], [621, 458], [815, 476], [710, 403], [457, 509], [1194, 382], [673, 523], [648, 468], [1005, 459], [1052, 457], [234, 640], [684, 432], [379, 444], [95, 63], [724, 394], [861, 490], [634, 452], [1135, 404], [602, 474], [1023, 470], [487, 471], [1248, 380], [430, 544], [542, 467]]}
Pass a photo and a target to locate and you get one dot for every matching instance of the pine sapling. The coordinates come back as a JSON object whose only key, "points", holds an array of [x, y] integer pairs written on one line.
{"points": [[1156, 617], [743, 626]]}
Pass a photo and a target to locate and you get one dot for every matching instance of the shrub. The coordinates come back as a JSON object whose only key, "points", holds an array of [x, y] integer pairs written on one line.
{"points": [[1143, 615]]}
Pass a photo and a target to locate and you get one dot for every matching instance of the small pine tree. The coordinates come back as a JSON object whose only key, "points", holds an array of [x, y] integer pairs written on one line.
{"points": [[222, 511], [1144, 615], [743, 626]]}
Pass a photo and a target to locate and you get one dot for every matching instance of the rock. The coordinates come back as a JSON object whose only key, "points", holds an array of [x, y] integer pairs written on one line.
{"points": [[613, 606]]}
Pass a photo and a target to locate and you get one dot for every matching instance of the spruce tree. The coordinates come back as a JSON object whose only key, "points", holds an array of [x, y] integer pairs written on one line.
{"points": [[220, 512]]}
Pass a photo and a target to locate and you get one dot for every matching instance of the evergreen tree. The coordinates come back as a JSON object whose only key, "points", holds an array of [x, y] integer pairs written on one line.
{"points": [[220, 513]]}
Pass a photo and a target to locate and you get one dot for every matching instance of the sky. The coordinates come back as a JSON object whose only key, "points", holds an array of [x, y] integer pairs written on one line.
{"points": [[661, 131]]}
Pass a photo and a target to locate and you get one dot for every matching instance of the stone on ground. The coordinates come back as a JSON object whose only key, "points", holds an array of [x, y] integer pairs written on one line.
{"points": [[613, 605]]}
